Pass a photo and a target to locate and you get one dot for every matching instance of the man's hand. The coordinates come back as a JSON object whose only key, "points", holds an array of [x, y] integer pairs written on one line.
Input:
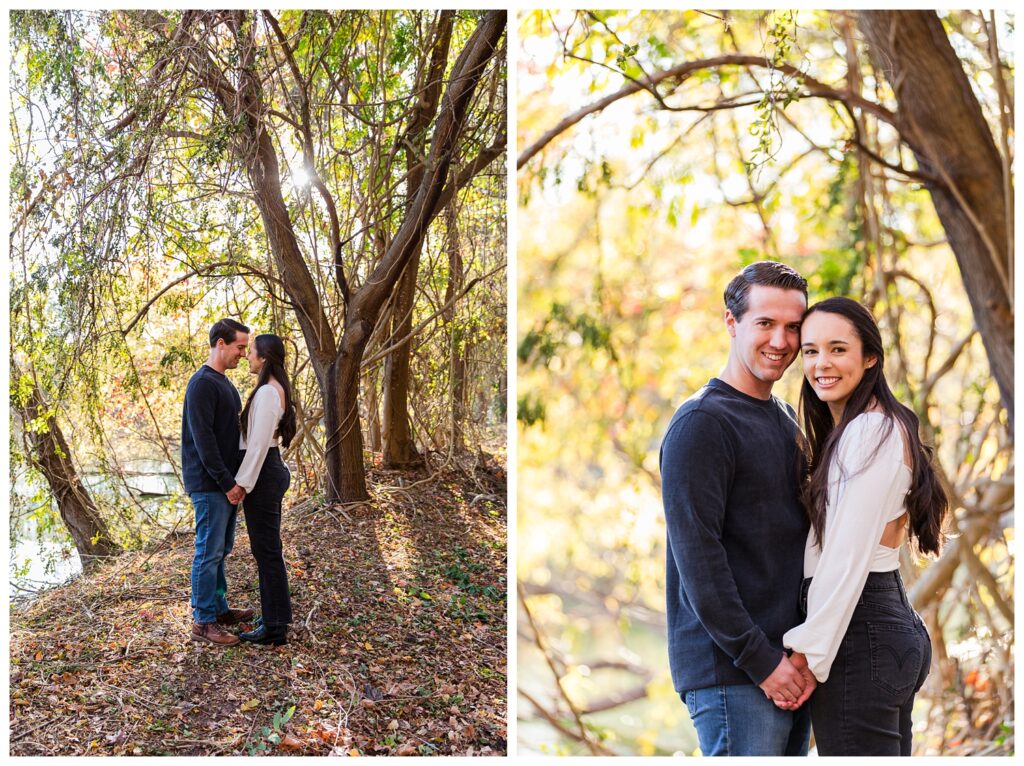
{"points": [[799, 661], [786, 684], [236, 494]]}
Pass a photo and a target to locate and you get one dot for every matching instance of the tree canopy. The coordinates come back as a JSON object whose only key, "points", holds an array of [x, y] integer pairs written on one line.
{"points": [[282, 168]]}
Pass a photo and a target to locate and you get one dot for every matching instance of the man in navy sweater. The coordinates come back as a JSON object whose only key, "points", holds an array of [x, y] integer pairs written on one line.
{"points": [[209, 460], [736, 531]]}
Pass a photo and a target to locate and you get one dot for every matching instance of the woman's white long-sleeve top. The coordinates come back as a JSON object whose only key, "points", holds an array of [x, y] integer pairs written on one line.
{"points": [[867, 488], [264, 416]]}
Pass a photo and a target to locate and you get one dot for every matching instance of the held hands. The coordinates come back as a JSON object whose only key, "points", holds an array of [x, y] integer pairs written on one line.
{"points": [[236, 494], [799, 662], [790, 684]]}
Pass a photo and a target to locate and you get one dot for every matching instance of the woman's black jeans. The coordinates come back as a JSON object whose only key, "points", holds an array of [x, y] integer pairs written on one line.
{"points": [[262, 509], [864, 707]]}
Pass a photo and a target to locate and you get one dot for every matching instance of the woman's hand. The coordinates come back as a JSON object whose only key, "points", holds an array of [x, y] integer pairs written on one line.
{"points": [[799, 661], [785, 682], [236, 494]]}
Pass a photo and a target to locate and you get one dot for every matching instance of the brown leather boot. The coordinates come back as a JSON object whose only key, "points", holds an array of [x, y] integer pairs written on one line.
{"points": [[235, 616], [212, 632]]}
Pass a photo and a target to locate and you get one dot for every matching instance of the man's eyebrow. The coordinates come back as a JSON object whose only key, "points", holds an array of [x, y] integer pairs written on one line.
{"points": [[773, 319]]}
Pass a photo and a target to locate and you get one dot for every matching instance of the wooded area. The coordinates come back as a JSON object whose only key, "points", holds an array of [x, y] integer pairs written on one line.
{"points": [[335, 177], [659, 153]]}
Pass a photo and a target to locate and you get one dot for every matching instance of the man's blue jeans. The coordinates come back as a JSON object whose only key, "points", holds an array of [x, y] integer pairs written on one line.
{"points": [[215, 537], [740, 720]]}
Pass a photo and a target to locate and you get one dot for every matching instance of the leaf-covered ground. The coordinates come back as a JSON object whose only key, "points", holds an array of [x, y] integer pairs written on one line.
{"points": [[398, 645]]}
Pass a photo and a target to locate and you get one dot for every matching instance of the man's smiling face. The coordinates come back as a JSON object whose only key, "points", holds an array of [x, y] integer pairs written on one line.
{"points": [[766, 338], [231, 353]]}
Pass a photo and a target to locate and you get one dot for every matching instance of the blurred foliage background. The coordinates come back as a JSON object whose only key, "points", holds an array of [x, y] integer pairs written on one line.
{"points": [[632, 219]]}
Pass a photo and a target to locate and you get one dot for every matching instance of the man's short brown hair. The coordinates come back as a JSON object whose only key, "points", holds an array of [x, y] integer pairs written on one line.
{"points": [[226, 330], [766, 274]]}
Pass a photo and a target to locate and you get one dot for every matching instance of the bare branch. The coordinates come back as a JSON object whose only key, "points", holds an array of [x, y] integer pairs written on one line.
{"points": [[812, 86], [398, 344]]}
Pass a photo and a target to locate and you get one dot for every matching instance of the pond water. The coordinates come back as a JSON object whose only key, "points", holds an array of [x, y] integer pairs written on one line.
{"points": [[42, 558]]}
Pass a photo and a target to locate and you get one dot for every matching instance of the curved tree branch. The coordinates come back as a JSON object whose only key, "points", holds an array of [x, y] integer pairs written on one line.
{"points": [[812, 86], [170, 286]]}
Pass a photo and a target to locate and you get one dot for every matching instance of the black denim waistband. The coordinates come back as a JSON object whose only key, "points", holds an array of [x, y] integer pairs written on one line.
{"points": [[272, 452], [884, 581], [877, 583]]}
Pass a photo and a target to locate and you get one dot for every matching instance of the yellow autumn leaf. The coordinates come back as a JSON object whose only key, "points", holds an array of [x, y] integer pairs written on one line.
{"points": [[368, 645], [250, 705], [318, 704]]}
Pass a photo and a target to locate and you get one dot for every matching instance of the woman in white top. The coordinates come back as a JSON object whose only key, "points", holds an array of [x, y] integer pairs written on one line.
{"points": [[267, 423], [871, 486]]}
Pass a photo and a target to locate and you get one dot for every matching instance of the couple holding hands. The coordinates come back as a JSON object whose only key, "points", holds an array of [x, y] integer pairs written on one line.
{"points": [[785, 604], [230, 455]]}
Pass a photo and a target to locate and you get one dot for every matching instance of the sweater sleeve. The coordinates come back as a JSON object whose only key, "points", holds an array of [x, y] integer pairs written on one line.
{"points": [[697, 465], [854, 525], [263, 419], [201, 403]]}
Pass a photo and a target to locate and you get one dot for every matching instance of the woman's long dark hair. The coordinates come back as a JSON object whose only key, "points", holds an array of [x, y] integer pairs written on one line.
{"points": [[926, 502], [270, 349]]}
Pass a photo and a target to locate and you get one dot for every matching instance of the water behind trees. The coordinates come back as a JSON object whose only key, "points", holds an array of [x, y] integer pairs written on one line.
{"points": [[146, 497]]}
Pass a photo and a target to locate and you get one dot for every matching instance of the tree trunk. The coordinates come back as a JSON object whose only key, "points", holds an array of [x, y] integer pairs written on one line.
{"points": [[458, 351], [49, 453], [399, 449], [502, 397], [942, 121], [346, 476], [364, 309], [372, 411]]}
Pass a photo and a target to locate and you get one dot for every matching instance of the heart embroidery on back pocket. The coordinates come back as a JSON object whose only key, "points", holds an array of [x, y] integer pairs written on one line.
{"points": [[896, 654]]}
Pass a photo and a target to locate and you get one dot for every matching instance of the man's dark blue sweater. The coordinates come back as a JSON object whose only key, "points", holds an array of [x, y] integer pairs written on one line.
{"points": [[736, 535], [209, 432]]}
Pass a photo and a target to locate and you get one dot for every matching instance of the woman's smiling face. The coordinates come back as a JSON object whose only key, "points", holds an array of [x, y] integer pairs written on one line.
{"points": [[834, 361], [255, 361]]}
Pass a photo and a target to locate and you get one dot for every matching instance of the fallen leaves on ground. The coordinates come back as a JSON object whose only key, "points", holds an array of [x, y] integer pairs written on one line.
{"points": [[398, 645]]}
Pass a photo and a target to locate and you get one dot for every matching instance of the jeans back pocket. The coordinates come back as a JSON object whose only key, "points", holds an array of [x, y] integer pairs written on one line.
{"points": [[896, 656]]}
